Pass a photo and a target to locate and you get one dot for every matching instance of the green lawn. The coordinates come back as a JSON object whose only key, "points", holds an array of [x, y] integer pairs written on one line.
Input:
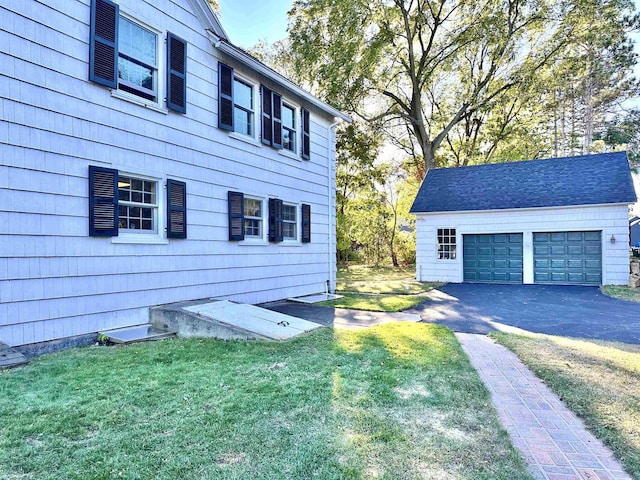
{"points": [[622, 292], [398, 401], [374, 303], [365, 279], [599, 381]]}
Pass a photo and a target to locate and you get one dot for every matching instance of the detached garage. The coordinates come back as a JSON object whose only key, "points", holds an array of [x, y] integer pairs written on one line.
{"points": [[557, 221]]}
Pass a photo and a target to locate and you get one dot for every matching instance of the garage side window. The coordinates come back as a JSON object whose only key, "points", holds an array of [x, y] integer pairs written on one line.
{"points": [[446, 243]]}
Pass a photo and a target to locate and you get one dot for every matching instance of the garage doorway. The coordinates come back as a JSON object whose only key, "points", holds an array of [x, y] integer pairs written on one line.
{"points": [[567, 258], [492, 258]]}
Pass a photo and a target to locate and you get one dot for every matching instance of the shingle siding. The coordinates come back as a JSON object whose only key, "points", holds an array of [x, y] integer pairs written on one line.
{"points": [[55, 280]]}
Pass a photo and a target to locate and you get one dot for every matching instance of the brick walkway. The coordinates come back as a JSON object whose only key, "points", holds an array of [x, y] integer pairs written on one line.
{"points": [[552, 439]]}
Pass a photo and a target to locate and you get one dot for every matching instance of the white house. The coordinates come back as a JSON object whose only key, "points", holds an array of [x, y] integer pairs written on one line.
{"points": [[144, 160], [556, 221]]}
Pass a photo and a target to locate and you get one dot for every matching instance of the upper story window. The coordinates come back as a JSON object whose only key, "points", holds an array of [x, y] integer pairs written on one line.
{"points": [[137, 60], [243, 107], [124, 55], [288, 128]]}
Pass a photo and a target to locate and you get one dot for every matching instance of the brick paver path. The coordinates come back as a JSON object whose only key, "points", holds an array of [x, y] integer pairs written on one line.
{"points": [[552, 440]]}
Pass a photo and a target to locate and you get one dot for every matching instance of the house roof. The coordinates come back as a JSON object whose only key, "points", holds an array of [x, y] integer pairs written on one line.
{"points": [[221, 41], [599, 179]]}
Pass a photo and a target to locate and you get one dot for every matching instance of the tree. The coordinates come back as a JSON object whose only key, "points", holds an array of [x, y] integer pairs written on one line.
{"points": [[450, 73], [421, 65]]}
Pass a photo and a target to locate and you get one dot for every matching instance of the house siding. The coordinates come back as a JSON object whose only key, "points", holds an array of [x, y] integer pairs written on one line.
{"points": [[610, 219], [55, 280]]}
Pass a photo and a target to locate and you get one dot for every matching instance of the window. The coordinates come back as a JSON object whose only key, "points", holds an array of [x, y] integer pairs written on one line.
{"points": [[447, 243], [242, 107], [137, 205], [306, 133], [288, 128], [129, 204], [289, 222], [137, 60], [124, 56], [252, 218], [248, 219]]}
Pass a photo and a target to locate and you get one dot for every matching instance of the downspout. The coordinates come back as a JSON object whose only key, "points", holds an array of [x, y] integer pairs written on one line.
{"points": [[331, 158]]}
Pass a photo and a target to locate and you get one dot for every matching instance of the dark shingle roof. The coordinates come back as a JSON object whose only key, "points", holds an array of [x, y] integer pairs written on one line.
{"points": [[585, 180]]}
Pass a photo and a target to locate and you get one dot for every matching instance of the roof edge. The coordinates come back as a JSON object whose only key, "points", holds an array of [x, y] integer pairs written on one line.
{"points": [[523, 209], [225, 46], [207, 17]]}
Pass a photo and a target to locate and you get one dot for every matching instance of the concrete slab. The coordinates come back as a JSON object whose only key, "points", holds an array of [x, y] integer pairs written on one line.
{"points": [[138, 333], [317, 298], [264, 323], [10, 357]]}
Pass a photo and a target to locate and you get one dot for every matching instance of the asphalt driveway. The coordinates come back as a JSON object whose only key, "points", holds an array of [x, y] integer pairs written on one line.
{"points": [[557, 310], [481, 308]]}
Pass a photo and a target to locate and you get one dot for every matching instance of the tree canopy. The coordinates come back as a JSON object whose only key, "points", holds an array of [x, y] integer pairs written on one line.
{"points": [[457, 73]]}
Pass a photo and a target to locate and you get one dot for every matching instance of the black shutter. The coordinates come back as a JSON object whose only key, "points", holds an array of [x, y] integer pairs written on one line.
{"points": [[176, 73], [277, 119], [225, 97], [267, 126], [275, 220], [306, 223], [103, 43], [236, 216], [306, 139], [176, 209], [103, 202]]}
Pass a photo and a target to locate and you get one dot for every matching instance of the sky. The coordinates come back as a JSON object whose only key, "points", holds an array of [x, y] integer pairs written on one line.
{"points": [[248, 21]]}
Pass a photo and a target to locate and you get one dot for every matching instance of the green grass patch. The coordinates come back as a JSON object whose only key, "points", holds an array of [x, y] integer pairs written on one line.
{"points": [[374, 303], [599, 381], [365, 279], [622, 292], [398, 401]]}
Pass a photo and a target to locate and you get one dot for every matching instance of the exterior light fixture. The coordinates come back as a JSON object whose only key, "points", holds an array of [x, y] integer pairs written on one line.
{"points": [[613, 239]]}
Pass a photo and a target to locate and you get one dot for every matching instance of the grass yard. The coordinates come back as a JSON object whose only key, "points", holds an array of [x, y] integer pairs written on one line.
{"points": [[365, 279], [375, 302], [398, 401], [622, 292], [600, 381]]}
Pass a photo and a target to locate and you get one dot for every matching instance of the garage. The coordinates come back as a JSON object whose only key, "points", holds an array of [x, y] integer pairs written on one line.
{"points": [[492, 258], [568, 258], [565, 221]]}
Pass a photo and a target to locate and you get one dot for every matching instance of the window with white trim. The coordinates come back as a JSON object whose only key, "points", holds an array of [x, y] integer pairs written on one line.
{"points": [[137, 60], [446, 243], [253, 218], [137, 205], [243, 109], [289, 222], [289, 133]]}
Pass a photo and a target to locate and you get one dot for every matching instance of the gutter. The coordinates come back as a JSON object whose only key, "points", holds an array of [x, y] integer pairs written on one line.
{"points": [[331, 158], [251, 62]]}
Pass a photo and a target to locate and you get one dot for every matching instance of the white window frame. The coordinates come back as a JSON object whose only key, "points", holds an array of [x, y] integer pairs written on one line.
{"points": [[295, 222], [253, 138], [443, 248], [262, 238], [158, 236], [296, 128], [158, 103]]}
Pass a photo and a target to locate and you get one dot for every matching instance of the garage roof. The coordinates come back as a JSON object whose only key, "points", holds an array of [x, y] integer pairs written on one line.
{"points": [[599, 179]]}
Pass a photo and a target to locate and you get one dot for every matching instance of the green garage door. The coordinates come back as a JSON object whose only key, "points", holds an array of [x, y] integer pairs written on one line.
{"points": [[568, 258], [492, 258]]}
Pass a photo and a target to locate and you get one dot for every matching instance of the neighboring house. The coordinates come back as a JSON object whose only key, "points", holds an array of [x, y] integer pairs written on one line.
{"points": [[144, 160], [634, 231], [558, 221]]}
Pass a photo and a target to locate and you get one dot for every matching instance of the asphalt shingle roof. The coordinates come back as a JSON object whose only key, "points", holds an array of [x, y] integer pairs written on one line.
{"points": [[603, 178]]}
